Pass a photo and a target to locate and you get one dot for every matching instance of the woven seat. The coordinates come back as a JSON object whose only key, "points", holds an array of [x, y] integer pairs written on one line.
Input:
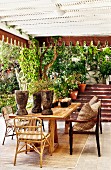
{"points": [[31, 135]]}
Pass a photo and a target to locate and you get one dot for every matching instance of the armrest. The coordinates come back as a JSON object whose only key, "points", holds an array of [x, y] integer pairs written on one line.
{"points": [[81, 121]]}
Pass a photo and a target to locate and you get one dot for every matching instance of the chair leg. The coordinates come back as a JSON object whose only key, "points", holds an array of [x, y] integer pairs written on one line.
{"points": [[26, 148], [3, 140], [100, 121], [70, 138], [43, 126], [13, 134], [101, 127], [16, 153], [97, 140], [41, 153], [4, 137]]}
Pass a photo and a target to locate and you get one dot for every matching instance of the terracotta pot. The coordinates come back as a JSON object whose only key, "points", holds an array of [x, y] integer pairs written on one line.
{"points": [[82, 87], [47, 99], [73, 94], [21, 98], [36, 103]]}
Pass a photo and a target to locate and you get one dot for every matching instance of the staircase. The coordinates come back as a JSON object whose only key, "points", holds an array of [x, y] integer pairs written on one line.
{"points": [[103, 92]]}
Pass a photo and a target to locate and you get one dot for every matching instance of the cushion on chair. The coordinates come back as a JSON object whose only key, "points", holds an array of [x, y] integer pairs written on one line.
{"points": [[86, 113], [95, 106], [32, 135], [93, 100]]}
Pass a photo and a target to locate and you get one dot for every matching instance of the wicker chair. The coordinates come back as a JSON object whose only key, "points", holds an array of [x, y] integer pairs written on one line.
{"points": [[8, 122], [31, 135], [84, 125]]}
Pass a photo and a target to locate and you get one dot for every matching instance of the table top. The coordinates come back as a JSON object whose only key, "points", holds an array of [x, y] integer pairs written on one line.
{"points": [[58, 112]]}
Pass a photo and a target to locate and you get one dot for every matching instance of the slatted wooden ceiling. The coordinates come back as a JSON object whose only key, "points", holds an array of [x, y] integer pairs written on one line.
{"points": [[57, 17]]}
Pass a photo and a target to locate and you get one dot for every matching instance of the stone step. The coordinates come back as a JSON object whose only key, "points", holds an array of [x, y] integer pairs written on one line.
{"points": [[98, 85], [104, 114], [96, 92], [106, 101], [106, 119], [85, 96], [106, 105], [104, 94], [104, 110], [97, 89]]}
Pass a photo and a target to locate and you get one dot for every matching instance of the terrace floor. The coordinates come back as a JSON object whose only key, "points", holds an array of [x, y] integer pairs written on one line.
{"points": [[86, 160]]}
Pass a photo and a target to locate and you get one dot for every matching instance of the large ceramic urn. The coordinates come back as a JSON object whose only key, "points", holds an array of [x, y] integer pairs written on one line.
{"points": [[36, 103], [21, 100], [47, 99]]}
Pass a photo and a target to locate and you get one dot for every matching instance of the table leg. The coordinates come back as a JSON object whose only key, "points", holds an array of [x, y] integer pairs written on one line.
{"points": [[53, 133], [52, 130], [67, 126]]}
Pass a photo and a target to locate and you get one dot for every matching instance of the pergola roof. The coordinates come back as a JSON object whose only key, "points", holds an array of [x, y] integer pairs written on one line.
{"points": [[57, 17]]}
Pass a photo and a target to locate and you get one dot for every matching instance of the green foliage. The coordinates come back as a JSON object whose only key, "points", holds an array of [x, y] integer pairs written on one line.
{"points": [[64, 85], [48, 56], [8, 59], [106, 52], [83, 78], [36, 86], [92, 57], [105, 69], [8, 55], [29, 63], [60, 88], [8, 85], [6, 100], [62, 64]]}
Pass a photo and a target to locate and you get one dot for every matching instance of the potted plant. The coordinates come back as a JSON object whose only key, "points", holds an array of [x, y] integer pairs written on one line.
{"points": [[74, 92], [60, 87], [82, 84], [72, 85], [42, 92]]}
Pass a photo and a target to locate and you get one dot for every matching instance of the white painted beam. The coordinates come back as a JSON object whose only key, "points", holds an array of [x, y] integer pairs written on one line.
{"points": [[13, 31]]}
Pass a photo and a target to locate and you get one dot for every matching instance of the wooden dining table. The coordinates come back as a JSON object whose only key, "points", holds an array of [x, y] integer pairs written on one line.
{"points": [[59, 113]]}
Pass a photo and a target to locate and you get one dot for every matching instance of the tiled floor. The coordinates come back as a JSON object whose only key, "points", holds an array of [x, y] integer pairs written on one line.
{"points": [[88, 159]]}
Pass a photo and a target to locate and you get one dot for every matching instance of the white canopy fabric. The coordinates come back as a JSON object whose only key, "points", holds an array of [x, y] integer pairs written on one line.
{"points": [[57, 17]]}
